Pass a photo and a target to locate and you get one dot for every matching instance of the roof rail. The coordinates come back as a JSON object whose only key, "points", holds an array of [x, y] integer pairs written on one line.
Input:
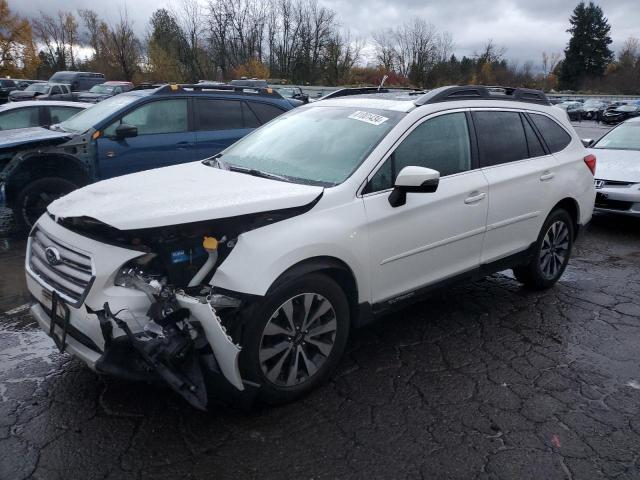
{"points": [[347, 92], [483, 92], [219, 88]]}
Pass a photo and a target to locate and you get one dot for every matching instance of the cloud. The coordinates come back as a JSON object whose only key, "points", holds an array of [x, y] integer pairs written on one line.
{"points": [[525, 28]]}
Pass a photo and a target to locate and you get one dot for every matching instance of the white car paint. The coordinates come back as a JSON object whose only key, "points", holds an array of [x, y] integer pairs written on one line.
{"points": [[159, 198], [473, 217], [618, 166]]}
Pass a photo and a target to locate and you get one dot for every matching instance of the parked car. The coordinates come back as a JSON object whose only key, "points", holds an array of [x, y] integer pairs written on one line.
{"points": [[618, 176], [573, 109], [292, 93], [100, 92], [243, 275], [133, 131], [593, 109], [40, 113], [78, 81], [7, 85], [621, 113], [24, 83], [42, 91]]}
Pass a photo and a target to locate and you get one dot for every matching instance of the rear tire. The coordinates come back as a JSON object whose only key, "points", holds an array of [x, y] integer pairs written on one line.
{"points": [[36, 196], [551, 252], [294, 338]]}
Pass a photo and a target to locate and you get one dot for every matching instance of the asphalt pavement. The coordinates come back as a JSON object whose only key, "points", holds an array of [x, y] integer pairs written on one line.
{"points": [[486, 380]]}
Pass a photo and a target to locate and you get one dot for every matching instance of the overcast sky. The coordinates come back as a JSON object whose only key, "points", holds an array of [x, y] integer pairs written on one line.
{"points": [[524, 27]]}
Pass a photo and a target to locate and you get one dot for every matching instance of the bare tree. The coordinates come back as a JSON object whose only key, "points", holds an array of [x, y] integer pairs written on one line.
{"points": [[58, 34]]}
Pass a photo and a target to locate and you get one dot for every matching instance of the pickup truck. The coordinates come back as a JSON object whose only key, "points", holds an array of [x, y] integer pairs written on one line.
{"points": [[43, 91]]}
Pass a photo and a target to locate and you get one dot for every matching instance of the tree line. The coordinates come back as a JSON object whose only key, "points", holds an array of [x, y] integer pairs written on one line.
{"points": [[302, 42]]}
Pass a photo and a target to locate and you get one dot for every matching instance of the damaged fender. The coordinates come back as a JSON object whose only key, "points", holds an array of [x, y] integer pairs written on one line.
{"points": [[225, 351]]}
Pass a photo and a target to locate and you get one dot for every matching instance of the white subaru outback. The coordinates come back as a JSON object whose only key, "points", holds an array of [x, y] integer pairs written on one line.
{"points": [[241, 276]]}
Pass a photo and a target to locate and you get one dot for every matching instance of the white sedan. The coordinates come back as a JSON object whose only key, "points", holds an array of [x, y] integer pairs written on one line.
{"points": [[37, 113], [617, 178]]}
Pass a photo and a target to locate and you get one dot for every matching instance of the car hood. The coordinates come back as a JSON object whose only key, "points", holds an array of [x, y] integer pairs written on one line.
{"points": [[186, 193], [618, 165], [20, 95], [30, 136]]}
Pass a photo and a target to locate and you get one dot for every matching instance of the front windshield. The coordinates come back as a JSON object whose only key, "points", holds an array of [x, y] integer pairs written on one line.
{"points": [[624, 137], [90, 117], [593, 103], [101, 89], [319, 145], [37, 87]]}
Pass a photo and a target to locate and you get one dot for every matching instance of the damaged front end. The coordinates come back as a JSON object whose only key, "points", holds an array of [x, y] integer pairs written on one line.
{"points": [[183, 343], [188, 333]]}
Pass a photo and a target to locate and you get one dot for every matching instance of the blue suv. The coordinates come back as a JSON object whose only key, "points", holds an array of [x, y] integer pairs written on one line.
{"points": [[131, 132]]}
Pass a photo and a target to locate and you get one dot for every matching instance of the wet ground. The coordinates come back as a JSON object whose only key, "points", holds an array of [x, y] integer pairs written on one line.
{"points": [[485, 381]]}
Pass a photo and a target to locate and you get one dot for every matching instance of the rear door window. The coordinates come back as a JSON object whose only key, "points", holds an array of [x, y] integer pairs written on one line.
{"points": [[554, 135], [501, 137], [265, 112], [212, 114]]}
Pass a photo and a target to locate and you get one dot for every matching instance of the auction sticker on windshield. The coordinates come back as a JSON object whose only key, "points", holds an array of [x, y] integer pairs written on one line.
{"points": [[368, 117]]}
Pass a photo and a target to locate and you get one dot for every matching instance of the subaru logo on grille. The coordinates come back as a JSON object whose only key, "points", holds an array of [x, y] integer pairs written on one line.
{"points": [[599, 183], [53, 256]]}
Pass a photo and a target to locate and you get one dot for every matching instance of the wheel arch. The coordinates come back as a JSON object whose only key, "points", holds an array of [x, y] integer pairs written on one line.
{"points": [[335, 269], [35, 166], [571, 206]]}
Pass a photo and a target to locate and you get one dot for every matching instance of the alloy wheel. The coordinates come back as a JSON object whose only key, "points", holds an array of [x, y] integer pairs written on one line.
{"points": [[554, 249], [298, 339]]}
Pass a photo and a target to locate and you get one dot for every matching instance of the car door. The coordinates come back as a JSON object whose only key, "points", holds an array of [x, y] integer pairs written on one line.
{"points": [[164, 138], [220, 123], [520, 173], [434, 236]]}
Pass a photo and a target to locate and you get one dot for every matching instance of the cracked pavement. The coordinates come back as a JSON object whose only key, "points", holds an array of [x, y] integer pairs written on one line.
{"points": [[485, 380]]}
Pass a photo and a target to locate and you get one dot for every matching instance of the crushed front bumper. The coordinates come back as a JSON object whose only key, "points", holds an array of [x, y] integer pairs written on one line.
{"points": [[110, 344]]}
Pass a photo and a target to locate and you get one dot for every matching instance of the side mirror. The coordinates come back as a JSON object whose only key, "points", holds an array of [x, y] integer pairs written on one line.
{"points": [[587, 142], [413, 179], [126, 131]]}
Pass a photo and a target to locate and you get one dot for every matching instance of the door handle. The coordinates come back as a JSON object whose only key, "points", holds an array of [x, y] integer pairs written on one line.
{"points": [[184, 145], [547, 176], [475, 197]]}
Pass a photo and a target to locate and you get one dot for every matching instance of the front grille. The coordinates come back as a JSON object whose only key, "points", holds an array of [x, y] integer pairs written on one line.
{"points": [[60, 267], [612, 183]]}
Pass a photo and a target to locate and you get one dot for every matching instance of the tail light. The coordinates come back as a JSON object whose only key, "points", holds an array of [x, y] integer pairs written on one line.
{"points": [[590, 160]]}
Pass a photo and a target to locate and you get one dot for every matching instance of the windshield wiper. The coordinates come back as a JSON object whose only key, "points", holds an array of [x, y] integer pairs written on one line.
{"points": [[216, 162], [258, 173]]}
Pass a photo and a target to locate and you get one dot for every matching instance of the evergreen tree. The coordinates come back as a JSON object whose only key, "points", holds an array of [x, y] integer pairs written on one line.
{"points": [[588, 53]]}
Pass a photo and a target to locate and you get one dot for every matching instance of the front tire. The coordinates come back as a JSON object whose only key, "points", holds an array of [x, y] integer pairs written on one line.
{"points": [[551, 252], [35, 197], [295, 337]]}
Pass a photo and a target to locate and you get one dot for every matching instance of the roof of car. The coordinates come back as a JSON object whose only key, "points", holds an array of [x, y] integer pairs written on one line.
{"points": [[369, 101], [43, 103]]}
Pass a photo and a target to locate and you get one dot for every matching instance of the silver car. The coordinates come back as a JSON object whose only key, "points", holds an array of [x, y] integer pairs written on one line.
{"points": [[617, 177]]}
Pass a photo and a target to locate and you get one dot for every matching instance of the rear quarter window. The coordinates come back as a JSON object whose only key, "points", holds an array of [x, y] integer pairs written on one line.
{"points": [[554, 135]]}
